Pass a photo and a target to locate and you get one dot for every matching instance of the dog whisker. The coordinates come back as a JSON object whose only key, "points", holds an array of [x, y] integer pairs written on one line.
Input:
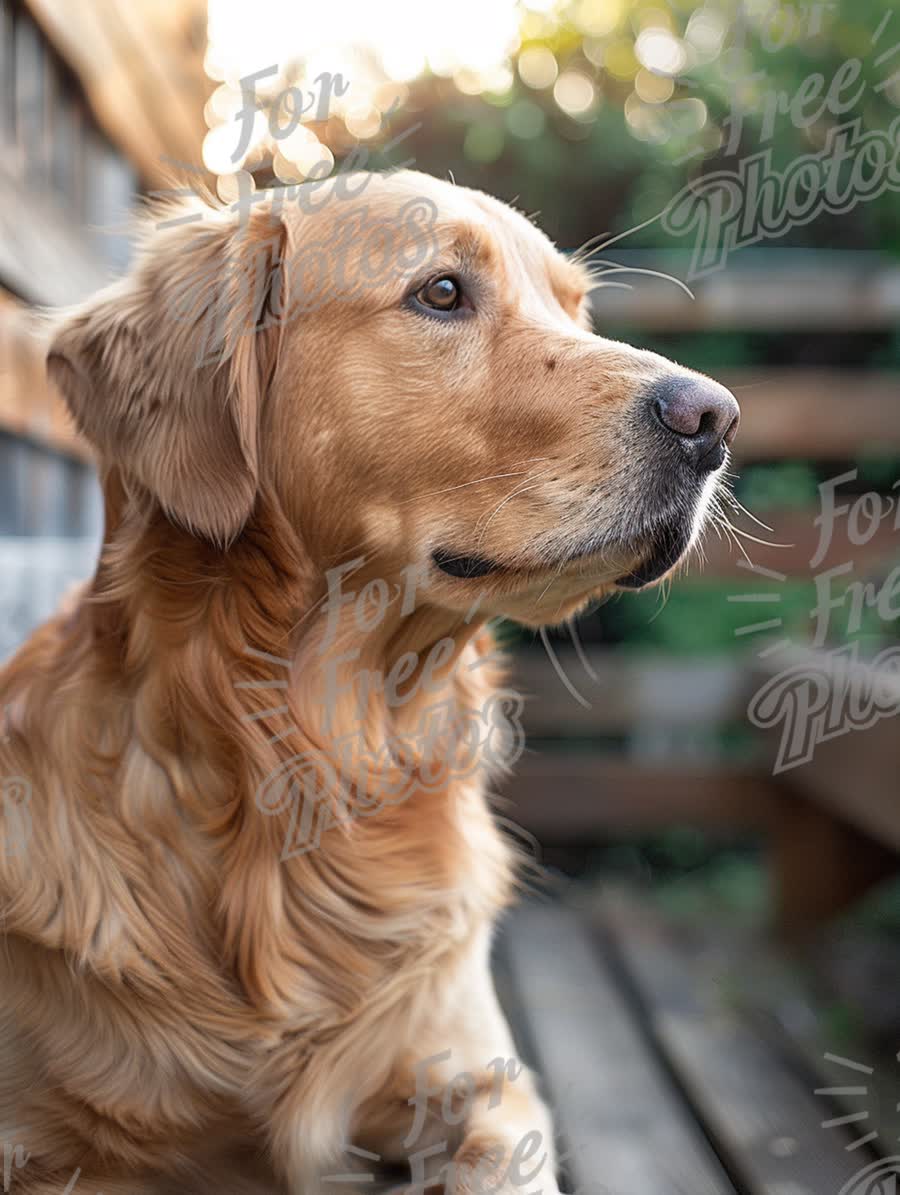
{"points": [[733, 500], [598, 248], [478, 481], [579, 649], [615, 268], [521, 488], [766, 543], [609, 286], [729, 532], [560, 671]]}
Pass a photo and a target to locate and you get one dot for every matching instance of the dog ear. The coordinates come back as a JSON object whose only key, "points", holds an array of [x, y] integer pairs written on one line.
{"points": [[165, 372]]}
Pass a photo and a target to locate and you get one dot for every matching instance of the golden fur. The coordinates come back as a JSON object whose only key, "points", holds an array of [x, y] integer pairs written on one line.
{"points": [[183, 1008]]}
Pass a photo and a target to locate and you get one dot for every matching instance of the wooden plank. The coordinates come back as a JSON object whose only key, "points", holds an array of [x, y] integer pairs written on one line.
{"points": [[141, 67], [622, 689], [822, 866], [762, 289], [562, 797], [43, 258], [815, 414], [623, 1126], [856, 772], [787, 1004], [789, 547], [763, 1117], [857, 776]]}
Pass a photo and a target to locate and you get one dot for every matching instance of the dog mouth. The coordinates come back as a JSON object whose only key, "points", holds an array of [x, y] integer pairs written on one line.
{"points": [[656, 555], [463, 567], [667, 548]]}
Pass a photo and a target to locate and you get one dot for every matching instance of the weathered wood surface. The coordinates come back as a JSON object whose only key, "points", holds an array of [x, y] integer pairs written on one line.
{"points": [[141, 67], [44, 257], [821, 865], [662, 1078], [763, 1116], [623, 1126]]}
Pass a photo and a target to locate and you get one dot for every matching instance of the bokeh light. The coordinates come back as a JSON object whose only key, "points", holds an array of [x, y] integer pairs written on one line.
{"points": [[660, 51], [539, 66], [574, 92]]}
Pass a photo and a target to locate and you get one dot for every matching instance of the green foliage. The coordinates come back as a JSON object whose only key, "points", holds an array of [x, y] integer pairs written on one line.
{"points": [[624, 159], [692, 875], [779, 487], [699, 619], [881, 910]]}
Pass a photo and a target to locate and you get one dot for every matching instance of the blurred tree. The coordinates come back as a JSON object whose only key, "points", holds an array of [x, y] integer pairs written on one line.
{"points": [[601, 131]]}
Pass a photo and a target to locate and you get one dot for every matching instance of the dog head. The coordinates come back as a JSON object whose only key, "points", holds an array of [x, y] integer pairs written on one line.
{"points": [[408, 367]]}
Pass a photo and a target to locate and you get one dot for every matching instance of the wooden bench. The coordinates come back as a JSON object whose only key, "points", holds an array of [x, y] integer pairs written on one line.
{"points": [[838, 829], [657, 1083], [831, 827]]}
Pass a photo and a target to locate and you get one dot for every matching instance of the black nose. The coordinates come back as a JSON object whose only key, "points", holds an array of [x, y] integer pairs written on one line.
{"points": [[701, 413]]}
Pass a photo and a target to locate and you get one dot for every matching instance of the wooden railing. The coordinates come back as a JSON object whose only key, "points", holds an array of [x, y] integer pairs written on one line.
{"points": [[774, 290]]}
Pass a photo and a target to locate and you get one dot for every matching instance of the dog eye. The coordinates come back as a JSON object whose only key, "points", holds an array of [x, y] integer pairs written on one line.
{"points": [[442, 294]]}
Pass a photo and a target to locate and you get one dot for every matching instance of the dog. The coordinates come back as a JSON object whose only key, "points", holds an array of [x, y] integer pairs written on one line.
{"points": [[338, 432]]}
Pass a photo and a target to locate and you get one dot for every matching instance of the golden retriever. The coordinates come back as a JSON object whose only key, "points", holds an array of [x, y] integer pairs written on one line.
{"points": [[248, 935]]}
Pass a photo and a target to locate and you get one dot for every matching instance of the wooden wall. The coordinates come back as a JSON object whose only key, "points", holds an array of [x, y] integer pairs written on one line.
{"points": [[66, 191]]}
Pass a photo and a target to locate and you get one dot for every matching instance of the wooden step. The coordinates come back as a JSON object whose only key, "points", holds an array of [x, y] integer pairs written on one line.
{"points": [[760, 1110], [623, 1126]]}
